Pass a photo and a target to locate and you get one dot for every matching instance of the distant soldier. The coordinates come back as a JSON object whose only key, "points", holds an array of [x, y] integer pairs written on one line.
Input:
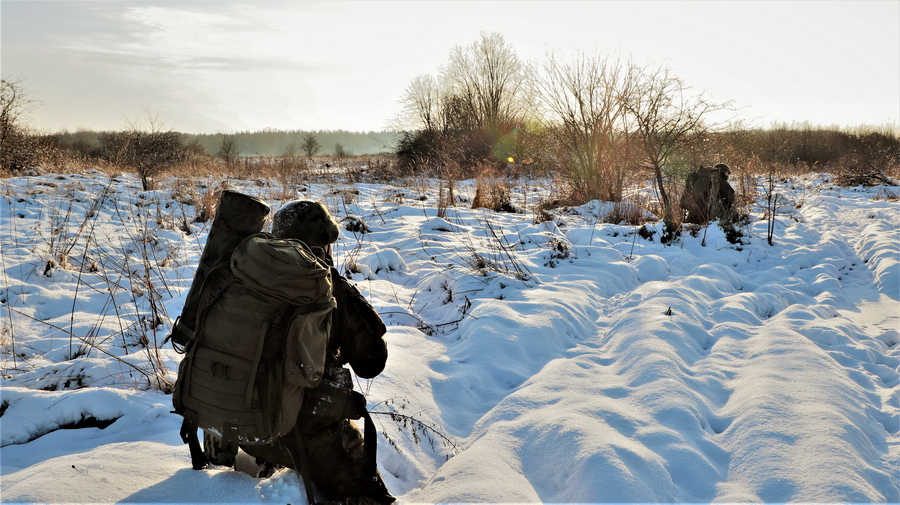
{"points": [[707, 194]]}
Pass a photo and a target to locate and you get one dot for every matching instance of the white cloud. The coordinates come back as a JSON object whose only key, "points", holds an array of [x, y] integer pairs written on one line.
{"points": [[345, 64]]}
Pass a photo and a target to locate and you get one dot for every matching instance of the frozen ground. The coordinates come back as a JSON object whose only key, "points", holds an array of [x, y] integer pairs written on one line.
{"points": [[568, 361]]}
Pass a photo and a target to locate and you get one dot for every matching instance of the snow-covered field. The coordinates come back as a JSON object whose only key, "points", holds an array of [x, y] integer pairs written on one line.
{"points": [[567, 361]]}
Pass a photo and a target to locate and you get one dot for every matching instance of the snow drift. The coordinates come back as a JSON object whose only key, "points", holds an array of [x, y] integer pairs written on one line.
{"points": [[566, 361]]}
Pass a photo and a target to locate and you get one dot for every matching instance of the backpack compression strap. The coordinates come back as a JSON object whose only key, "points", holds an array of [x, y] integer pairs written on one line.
{"points": [[304, 465], [370, 439], [189, 436]]}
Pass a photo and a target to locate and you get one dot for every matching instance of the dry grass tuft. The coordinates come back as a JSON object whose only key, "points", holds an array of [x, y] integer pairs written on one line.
{"points": [[625, 213], [494, 192], [206, 202]]}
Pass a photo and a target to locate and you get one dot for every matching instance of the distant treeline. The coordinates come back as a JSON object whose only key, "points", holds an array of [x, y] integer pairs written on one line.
{"points": [[266, 142]]}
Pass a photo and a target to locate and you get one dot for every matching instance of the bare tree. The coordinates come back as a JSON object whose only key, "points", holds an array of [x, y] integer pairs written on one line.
{"points": [[585, 113], [14, 103], [665, 117], [420, 105], [466, 116], [229, 149], [19, 148], [487, 78], [310, 145]]}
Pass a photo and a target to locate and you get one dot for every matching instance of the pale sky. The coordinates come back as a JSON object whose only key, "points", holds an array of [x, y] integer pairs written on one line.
{"points": [[227, 66]]}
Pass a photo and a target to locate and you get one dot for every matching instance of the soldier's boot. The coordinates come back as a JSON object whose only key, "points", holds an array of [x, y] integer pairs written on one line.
{"points": [[212, 448], [266, 469]]}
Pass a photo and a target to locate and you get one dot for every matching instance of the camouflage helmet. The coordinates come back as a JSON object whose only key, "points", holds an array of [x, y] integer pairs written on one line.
{"points": [[307, 221], [723, 169]]}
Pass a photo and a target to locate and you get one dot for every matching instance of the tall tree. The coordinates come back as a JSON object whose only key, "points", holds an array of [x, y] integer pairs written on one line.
{"points": [[420, 105], [310, 145], [488, 78], [229, 149]]}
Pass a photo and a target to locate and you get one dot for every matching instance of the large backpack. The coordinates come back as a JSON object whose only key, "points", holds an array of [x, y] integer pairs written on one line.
{"points": [[262, 318], [699, 197]]}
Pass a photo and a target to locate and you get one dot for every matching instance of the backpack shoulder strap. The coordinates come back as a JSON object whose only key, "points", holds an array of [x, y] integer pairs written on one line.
{"points": [[338, 322]]}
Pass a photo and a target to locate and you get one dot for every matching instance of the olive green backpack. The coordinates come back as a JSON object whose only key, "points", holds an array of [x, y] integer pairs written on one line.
{"points": [[257, 340]]}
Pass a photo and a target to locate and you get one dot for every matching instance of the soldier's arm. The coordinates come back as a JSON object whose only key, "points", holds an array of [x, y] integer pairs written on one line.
{"points": [[363, 345]]}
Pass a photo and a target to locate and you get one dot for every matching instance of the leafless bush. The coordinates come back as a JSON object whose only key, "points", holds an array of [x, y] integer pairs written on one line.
{"points": [[290, 171], [560, 249], [859, 174], [146, 150], [21, 148], [587, 123]]}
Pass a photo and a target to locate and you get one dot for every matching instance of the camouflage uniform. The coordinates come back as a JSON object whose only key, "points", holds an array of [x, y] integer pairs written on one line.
{"points": [[707, 194], [333, 445]]}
